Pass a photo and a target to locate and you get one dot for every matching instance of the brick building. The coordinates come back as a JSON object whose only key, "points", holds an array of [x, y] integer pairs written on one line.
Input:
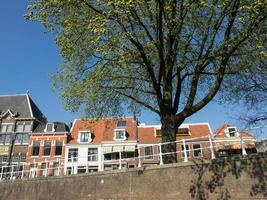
{"points": [[19, 116], [191, 138], [46, 150], [229, 141]]}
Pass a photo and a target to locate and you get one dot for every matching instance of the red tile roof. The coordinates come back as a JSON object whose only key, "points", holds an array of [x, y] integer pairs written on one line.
{"points": [[146, 134], [103, 129], [219, 133]]}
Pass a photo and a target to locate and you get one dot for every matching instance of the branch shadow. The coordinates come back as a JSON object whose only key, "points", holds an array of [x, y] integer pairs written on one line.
{"points": [[213, 179]]}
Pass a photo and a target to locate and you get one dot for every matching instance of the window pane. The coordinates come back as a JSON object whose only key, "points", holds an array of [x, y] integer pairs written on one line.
{"points": [[119, 134], [56, 169], [35, 148], [84, 137], [44, 170], [25, 139], [73, 155], [49, 127], [19, 137], [148, 153], [197, 150], [19, 128], [27, 128], [9, 128], [121, 123], [8, 139], [47, 148], [3, 128], [186, 149], [59, 145], [92, 154], [2, 138]]}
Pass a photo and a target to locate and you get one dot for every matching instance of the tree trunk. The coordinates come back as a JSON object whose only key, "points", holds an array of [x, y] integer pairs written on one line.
{"points": [[169, 126]]}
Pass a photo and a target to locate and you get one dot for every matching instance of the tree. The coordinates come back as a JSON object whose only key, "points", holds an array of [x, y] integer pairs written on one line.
{"points": [[167, 56]]}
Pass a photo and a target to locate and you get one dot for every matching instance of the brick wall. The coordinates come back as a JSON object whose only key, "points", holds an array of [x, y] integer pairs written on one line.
{"points": [[232, 178]]}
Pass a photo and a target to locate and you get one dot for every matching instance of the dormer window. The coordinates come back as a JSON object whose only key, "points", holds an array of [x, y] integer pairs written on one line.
{"points": [[182, 131], [49, 127], [119, 134], [85, 137], [122, 123], [232, 131]]}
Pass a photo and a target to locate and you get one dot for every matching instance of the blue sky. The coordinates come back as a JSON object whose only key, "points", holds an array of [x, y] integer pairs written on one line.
{"points": [[28, 55]]}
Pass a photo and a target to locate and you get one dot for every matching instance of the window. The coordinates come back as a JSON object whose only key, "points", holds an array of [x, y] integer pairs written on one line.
{"points": [[33, 169], [5, 138], [119, 134], [59, 145], [183, 132], [158, 132], [73, 155], [121, 123], [49, 127], [148, 153], [92, 154], [22, 128], [22, 138], [197, 150], [186, 149], [35, 148], [85, 137], [81, 169], [47, 148], [56, 169], [232, 131], [44, 169], [7, 128]]}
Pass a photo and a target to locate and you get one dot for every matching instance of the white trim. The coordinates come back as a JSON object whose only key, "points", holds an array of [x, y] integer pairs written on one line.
{"points": [[182, 125], [124, 134], [28, 99], [89, 138], [53, 128], [8, 111]]}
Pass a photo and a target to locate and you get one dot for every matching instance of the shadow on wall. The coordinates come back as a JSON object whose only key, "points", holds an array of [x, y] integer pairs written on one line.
{"points": [[213, 178]]}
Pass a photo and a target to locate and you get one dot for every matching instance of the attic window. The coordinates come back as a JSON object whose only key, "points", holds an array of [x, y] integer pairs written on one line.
{"points": [[85, 137], [119, 134], [158, 132], [121, 123], [50, 127], [232, 131], [183, 131]]}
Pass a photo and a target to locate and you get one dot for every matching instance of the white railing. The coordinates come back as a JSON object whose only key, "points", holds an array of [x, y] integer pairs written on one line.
{"points": [[206, 150]]}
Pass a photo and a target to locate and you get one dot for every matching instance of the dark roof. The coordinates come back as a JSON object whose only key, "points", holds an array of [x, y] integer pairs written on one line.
{"points": [[58, 126], [22, 106]]}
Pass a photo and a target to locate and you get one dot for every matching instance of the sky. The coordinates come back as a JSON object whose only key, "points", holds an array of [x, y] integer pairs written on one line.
{"points": [[28, 55]]}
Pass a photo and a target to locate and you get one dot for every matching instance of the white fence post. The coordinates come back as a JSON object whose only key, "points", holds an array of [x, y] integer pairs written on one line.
{"points": [[11, 174], [139, 158], [120, 160], [242, 146], [185, 152], [1, 175], [211, 148], [160, 155]]}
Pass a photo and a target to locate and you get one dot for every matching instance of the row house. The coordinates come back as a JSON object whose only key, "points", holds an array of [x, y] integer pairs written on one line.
{"points": [[46, 150], [230, 141], [97, 145], [19, 116], [192, 141]]}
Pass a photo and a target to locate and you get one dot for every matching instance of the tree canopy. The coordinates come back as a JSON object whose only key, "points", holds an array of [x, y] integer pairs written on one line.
{"points": [[168, 56]]}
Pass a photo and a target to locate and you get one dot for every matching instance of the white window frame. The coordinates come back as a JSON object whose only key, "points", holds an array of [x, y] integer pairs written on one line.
{"points": [[187, 151], [89, 138], [53, 128], [200, 148], [236, 132], [6, 124], [124, 134], [149, 157]]}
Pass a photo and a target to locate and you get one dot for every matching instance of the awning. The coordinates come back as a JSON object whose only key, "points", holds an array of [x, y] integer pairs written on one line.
{"points": [[117, 148], [107, 149], [129, 148]]}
